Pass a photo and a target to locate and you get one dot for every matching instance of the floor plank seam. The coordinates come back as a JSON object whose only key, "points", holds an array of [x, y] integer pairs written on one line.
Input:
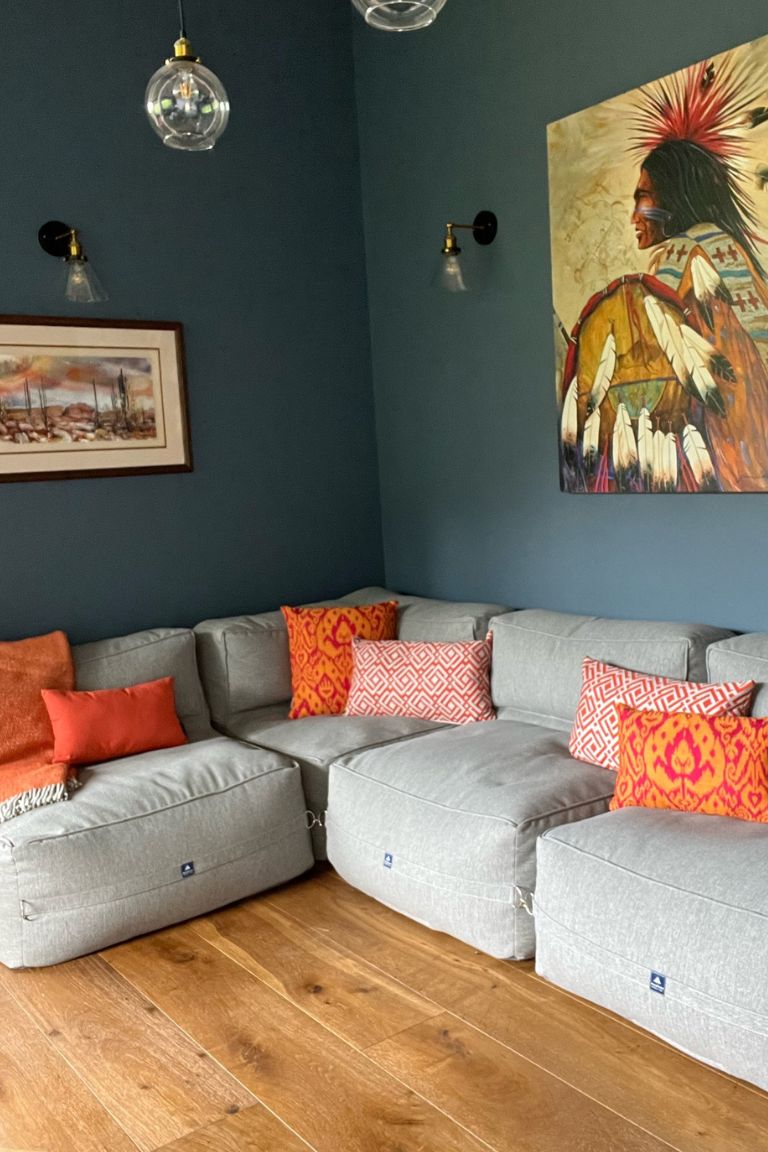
{"points": [[231, 1075], [67, 1062], [562, 1080]]}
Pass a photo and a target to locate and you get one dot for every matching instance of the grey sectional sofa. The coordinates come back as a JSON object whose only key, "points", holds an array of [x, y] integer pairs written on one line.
{"points": [[470, 829]]}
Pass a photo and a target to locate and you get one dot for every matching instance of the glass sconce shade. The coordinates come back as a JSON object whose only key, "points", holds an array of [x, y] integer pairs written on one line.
{"points": [[83, 285], [399, 15], [187, 105], [450, 276]]}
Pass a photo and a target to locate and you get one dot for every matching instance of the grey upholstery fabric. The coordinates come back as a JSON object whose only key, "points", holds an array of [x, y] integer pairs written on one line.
{"points": [[244, 660], [149, 655], [537, 658], [443, 827], [640, 892], [109, 863], [742, 658], [315, 741]]}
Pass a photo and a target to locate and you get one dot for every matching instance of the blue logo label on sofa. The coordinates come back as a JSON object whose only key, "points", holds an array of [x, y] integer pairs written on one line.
{"points": [[658, 983], [388, 859], [187, 869]]}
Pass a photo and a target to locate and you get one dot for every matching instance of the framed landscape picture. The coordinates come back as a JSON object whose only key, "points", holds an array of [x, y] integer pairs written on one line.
{"points": [[91, 398]]}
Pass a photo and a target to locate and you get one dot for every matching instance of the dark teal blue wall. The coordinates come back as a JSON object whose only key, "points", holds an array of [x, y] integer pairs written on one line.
{"points": [[453, 120], [257, 249]]}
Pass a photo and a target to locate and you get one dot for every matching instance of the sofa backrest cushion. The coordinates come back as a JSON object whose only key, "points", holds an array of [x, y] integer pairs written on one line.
{"points": [[244, 660], [537, 658], [747, 658], [143, 656]]}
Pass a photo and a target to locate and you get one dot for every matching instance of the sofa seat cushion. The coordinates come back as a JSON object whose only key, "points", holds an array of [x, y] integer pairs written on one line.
{"points": [[317, 740], [662, 917], [443, 827], [148, 841]]}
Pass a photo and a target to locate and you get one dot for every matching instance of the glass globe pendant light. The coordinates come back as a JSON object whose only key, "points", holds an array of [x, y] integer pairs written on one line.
{"points": [[186, 104], [399, 15]]}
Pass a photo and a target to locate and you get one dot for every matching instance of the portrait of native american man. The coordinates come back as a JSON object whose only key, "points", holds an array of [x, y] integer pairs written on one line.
{"points": [[659, 224]]}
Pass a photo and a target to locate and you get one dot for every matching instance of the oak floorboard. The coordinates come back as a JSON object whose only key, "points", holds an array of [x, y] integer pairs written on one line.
{"points": [[329, 1093], [502, 1097], [693, 1107], [356, 1001], [44, 1106], [252, 1130], [138, 1064]]}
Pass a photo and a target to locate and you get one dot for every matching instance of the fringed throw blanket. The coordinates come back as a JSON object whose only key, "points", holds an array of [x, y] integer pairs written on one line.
{"points": [[28, 776]]}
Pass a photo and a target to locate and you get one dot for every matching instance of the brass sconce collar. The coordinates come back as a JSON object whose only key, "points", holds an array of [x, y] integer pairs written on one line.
{"points": [[450, 243]]}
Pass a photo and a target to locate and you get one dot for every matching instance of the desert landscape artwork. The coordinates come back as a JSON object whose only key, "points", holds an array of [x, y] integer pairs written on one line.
{"points": [[659, 233], [87, 398]]}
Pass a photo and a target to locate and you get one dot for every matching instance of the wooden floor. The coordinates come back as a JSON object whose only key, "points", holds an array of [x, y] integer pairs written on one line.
{"points": [[312, 1017]]}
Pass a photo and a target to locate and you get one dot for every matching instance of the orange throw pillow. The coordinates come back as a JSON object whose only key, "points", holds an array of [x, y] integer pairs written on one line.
{"points": [[320, 642], [89, 727], [716, 765]]}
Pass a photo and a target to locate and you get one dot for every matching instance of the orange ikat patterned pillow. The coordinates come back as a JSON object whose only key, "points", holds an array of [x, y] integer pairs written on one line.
{"points": [[714, 765], [320, 642]]}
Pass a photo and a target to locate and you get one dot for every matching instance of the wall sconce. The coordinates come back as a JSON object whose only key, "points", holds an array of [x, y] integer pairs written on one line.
{"points": [[399, 15], [186, 103], [61, 241], [450, 275]]}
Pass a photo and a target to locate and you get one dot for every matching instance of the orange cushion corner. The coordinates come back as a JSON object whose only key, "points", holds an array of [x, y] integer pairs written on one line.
{"points": [[90, 727], [320, 643]]}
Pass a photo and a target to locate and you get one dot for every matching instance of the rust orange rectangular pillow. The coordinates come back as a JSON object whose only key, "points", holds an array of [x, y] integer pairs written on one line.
{"points": [[715, 765], [89, 727], [320, 642]]}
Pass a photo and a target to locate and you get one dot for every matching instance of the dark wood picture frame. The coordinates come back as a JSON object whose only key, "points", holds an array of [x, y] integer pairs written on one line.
{"points": [[91, 397]]}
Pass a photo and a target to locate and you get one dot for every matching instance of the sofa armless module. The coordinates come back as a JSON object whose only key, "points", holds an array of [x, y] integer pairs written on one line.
{"points": [[663, 916], [150, 839], [245, 668], [444, 827]]}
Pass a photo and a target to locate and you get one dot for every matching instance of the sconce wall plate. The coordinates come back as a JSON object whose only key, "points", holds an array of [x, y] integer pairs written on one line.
{"points": [[54, 238]]}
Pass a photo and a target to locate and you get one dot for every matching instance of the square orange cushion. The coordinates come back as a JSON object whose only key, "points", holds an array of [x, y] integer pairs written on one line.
{"points": [[716, 765], [320, 642], [89, 727]]}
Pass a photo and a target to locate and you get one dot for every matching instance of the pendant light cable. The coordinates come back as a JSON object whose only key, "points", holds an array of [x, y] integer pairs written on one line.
{"points": [[182, 28]]}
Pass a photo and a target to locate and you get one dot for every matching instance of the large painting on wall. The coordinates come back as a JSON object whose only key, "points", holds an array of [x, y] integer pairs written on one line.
{"points": [[659, 230], [90, 398]]}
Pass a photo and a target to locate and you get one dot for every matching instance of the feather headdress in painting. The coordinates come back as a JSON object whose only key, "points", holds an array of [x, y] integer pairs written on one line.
{"points": [[708, 108]]}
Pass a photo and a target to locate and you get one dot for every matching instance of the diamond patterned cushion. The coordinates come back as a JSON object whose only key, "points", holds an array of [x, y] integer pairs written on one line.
{"points": [[445, 681], [713, 765], [595, 732], [320, 644]]}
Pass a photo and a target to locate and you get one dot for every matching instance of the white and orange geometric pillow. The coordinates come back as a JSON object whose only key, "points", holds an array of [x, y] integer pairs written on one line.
{"points": [[595, 733], [445, 681]]}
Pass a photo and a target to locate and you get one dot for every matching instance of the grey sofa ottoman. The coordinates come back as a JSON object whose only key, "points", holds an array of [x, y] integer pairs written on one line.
{"points": [[150, 839], [443, 827], [245, 667], [662, 917]]}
